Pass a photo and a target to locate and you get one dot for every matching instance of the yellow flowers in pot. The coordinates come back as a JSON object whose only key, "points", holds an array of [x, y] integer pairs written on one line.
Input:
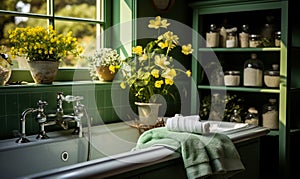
{"points": [[152, 70], [42, 44]]}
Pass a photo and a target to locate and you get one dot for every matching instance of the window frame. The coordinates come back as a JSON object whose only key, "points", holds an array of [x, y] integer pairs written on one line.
{"points": [[102, 22]]}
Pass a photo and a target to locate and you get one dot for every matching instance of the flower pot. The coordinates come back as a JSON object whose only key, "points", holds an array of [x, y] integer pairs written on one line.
{"points": [[43, 72], [104, 73], [148, 113], [5, 71]]}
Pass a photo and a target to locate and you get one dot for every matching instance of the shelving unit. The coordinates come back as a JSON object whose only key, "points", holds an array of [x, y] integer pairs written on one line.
{"points": [[237, 13]]}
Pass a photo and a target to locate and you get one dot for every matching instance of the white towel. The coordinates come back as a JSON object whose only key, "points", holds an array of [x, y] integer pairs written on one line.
{"points": [[191, 124]]}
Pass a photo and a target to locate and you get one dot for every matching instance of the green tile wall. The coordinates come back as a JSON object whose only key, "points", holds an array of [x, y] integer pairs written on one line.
{"points": [[15, 99], [97, 98]]}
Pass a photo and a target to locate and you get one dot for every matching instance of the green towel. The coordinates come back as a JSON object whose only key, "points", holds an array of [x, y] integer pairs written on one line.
{"points": [[203, 155]]}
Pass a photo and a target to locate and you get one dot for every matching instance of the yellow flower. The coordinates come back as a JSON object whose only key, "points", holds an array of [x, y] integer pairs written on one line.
{"points": [[157, 23], [123, 85], [158, 83], [137, 50], [155, 73], [161, 61], [163, 44], [187, 49], [188, 73], [142, 58], [169, 81], [169, 73], [112, 68]]}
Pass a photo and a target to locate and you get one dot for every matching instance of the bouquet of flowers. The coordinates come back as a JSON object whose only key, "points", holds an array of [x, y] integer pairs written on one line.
{"points": [[151, 69]]}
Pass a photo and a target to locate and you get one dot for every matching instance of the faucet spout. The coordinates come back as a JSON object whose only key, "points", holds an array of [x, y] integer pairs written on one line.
{"points": [[23, 138]]}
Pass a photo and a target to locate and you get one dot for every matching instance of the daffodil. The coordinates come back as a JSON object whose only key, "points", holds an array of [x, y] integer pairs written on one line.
{"points": [[157, 23], [161, 61]]}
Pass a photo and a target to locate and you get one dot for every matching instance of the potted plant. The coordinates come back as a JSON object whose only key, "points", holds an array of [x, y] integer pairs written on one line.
{"points": [[43, 48], [103, 64], [151, 70], [5, 66]]}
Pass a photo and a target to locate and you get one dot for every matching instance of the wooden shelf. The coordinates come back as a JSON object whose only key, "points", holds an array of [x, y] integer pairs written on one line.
{"points": [[271, 49], [242, 89]]}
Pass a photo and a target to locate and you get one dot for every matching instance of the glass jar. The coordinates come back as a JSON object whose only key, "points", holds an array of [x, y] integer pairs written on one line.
{"points": [[232, 78], [231, 40], [5, 69], [254, 40], [253, 72], [272, 77], [212, 37], [277, 39], [244, 36], [270, 115], [252, 116]]}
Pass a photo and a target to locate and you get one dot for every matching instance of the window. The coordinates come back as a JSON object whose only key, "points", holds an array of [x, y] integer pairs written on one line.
{"points": [[85, 18]]}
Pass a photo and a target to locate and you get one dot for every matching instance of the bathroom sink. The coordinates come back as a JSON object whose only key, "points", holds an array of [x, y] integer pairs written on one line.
{"points": [[227, 127]]}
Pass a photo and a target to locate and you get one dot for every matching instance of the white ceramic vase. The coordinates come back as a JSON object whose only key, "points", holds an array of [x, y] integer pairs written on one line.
{"points": [[148, 113]]}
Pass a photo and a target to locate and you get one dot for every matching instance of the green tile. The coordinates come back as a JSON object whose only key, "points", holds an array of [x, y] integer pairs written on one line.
{"points": [[100, 98], [11, 104], [2, 108], [107, 98], [3, 128], [13, 124]]}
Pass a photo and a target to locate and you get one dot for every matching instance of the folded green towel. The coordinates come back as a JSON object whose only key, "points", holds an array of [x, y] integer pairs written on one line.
{"points": [[203, 155]]}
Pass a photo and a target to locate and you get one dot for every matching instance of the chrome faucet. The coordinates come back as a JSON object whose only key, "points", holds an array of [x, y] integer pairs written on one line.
{"points": [[58, 118], [41, 118]]}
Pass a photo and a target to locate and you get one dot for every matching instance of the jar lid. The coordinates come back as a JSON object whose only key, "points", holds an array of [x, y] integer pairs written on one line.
{"points": [[252, 110], [278, 33], [230, 72], [254, 35], [272, 73]]}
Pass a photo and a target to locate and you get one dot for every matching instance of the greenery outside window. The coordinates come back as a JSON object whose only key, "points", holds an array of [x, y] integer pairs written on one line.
{"points": [[85, 18]]}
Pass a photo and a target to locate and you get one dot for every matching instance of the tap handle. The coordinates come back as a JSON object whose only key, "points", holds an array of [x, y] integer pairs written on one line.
{"points": [[70, 98], [41, 104]]}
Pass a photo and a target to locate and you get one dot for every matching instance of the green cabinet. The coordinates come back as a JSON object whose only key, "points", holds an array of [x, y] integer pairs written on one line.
{"points": [[209, 62]]}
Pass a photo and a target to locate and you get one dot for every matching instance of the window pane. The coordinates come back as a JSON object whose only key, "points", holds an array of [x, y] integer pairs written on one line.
{"points": [[86, 34], [10, 24], [76, 8], [32, 6]]}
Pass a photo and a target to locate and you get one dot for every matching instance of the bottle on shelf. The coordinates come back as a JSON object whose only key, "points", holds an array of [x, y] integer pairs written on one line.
{"points": [[270, 114], [231, 39], [254, 41], [212, 37], [252, 116], [244, 36], [253, 72], [277, 39]]}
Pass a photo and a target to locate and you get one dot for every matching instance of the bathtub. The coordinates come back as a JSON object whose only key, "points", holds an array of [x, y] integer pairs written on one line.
{"points": [[109, 154]]}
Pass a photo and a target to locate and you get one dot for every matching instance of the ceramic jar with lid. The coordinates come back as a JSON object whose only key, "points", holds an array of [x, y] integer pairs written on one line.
{"points": [[270, 115], [253, 72], [272, 77], [254, 40], [232, 78]]}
